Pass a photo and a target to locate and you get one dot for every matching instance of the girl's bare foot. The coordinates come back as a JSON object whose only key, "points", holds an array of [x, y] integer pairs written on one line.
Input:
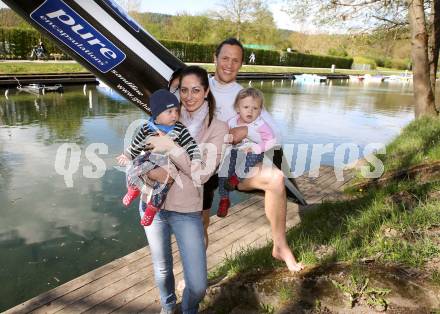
{"points": [[285, 254]]}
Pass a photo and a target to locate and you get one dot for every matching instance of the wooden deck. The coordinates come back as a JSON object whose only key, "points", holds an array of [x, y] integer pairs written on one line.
{"points": [[126, 285]]}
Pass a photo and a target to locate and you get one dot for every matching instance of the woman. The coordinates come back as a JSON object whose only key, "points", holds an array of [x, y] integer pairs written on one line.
{"points": [[181, 212]]}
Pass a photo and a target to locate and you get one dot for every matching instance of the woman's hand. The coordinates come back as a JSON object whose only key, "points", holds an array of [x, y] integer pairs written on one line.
{"points": [[123, 160], [161, 144]]}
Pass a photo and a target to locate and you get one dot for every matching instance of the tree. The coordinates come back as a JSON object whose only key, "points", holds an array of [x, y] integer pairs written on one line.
{"points": [[130, 5], [187, 27], [9, 18], [261, 28], [421, 16], [237, 11]]}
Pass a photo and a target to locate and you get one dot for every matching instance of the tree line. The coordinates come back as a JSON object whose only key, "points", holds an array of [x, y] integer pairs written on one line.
{"points": [[381, 48], [252, 22], [419, 18]]}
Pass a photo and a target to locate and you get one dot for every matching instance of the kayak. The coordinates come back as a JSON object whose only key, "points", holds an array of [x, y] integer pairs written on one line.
{"points": [[103, 38]]}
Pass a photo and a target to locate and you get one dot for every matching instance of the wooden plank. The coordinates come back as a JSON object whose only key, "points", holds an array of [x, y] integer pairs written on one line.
{"points": [[143, 286], [127, 284], [113, 289], [217, 222], [140, 295], [322, 172], [118, 287], [50, 296], [85, 300], [259, 230], [254, 221], [256, 210], [248, 236], [106, 270], [308, 186], [77, 298], [329, 187], [223, 238], [317, 191], [253, 212]]}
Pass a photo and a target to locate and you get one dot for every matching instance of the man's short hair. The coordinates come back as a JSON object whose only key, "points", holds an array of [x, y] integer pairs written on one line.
{"points": [[230, 41]]}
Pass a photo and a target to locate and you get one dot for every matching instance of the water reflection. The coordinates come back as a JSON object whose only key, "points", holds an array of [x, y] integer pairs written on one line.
{"points": [[338, 113], [50, 234]]}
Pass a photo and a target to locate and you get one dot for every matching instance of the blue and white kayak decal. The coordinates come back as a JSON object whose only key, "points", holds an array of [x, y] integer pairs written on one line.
{"points": [[70, 28]]}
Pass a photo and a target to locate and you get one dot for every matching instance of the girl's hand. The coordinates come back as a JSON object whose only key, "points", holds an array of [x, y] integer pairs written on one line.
{"points": [[161, 144], [123, 160], [238, 134]]}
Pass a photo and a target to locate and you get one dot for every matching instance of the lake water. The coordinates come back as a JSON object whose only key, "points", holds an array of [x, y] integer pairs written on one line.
{"points": [[51, 232]]}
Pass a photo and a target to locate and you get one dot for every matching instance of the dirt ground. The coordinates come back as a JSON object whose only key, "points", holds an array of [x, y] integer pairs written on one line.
{"points": [[316, 290]]}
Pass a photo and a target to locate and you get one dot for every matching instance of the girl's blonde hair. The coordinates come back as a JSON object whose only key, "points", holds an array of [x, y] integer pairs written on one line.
{"points": [[249, 92]]}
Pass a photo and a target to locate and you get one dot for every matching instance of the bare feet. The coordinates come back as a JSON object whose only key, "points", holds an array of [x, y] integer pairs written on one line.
{"points": [[285, 254]]}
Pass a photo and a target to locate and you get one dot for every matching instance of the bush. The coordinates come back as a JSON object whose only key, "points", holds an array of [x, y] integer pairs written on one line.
{"points": [[380, 62], [315, 61], [190, 52], [338, 52], [263, 57], [366, 60], [17, 43], [401, 64]]}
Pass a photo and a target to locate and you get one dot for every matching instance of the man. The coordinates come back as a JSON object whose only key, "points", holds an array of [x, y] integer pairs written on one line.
{"points": [[252, 58], [228, 59]]}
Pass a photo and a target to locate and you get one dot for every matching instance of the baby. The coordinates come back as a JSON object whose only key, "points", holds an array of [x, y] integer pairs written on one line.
{"points": [[249, 152], [164, 120]]}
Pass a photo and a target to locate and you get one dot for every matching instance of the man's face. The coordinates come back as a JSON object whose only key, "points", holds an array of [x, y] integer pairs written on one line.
{"points": [[228, 63]]}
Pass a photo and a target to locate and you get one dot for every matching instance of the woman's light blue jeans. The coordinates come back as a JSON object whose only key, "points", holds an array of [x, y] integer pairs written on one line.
{"points": [[188, 230]]}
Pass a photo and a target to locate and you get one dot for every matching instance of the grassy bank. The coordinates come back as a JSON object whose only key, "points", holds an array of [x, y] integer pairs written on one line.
{"points": [[40, 67], [395, 223], [276, 69], [72, 67]]}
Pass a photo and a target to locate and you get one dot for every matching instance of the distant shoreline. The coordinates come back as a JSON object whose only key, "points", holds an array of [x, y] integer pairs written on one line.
{"points": [[14, 67]]}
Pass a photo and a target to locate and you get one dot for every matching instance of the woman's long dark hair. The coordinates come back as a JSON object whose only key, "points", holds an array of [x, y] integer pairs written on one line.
{"points": [[176, 75], [204, 81]]}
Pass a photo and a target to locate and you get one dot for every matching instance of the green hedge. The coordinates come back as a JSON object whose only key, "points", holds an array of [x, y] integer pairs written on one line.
{"points": [[190, 52], [17, 43], [366, 60], [399, 64], [315, 61], [193, 52]]}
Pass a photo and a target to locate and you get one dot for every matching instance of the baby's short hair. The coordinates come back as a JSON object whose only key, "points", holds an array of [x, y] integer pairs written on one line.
{"points": [[249, 92]]}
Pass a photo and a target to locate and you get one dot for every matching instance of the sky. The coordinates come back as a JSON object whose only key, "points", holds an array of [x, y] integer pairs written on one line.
{"points": [[194, 7]]}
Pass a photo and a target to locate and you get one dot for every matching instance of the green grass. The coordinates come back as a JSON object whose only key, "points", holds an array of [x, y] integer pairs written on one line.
{"points": [[371, 225], [281, 69], [20, 67], [285, 293], [435, 278], [40, 67], [419, 142], [359, 233]]}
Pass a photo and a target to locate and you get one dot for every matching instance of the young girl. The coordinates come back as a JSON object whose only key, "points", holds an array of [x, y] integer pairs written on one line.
{"points": [[164, 120], [247, 153]]}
